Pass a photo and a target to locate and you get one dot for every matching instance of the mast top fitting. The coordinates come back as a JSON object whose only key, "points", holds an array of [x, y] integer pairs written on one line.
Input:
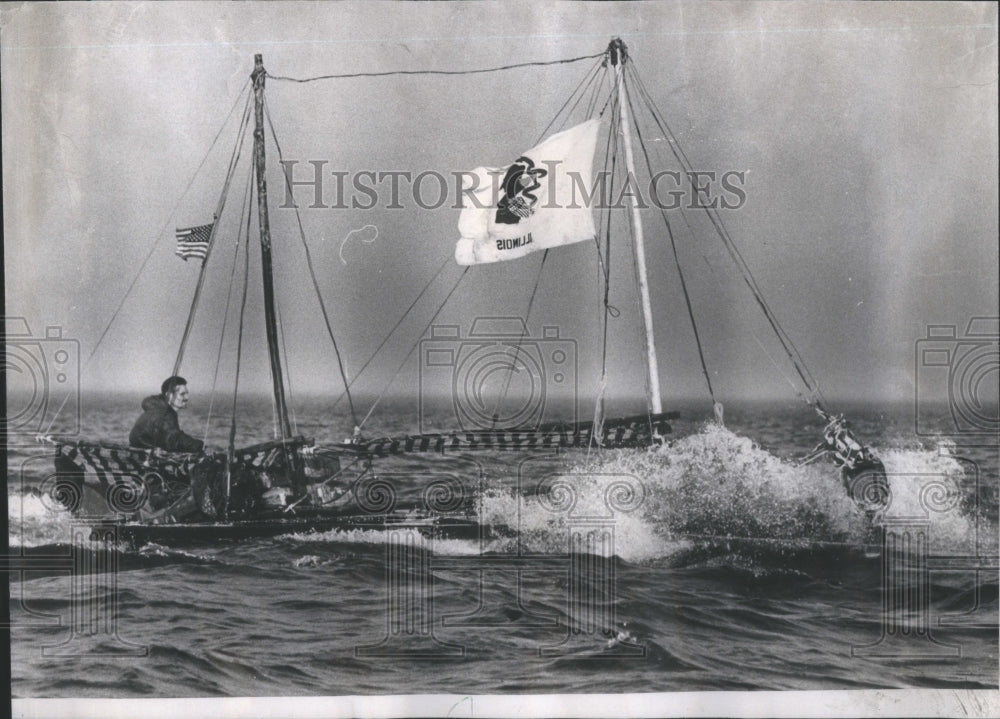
{"points": [[617, 49]]}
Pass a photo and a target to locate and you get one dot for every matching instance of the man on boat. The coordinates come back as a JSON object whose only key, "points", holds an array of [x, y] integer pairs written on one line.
{"points": [[158, 427]]}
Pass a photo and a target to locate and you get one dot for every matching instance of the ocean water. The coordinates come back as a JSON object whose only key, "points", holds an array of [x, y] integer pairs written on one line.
{"points": [[711, 563]]}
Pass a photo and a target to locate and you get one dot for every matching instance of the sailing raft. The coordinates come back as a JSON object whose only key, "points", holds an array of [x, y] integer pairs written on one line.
{"points": [[289, 482]]}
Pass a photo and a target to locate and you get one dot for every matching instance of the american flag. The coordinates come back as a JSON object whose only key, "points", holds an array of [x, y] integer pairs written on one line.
{"points": [[193, 241]]}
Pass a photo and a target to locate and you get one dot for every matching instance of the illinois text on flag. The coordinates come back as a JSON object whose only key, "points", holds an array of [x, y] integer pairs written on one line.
{"points": [[193, 241], [533, 204]]}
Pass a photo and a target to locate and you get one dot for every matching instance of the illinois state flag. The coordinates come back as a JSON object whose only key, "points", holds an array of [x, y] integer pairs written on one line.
{"points": [[533, 204]]}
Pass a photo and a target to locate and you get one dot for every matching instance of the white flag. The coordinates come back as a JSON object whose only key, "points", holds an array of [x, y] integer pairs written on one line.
{"points": [[533, 204]]}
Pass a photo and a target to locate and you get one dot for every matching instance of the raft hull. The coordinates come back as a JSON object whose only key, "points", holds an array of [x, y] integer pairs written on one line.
{"points": [[200, 533]]}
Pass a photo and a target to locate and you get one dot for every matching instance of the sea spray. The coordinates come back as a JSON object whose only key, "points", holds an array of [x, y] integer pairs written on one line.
{"points": [[715, 484], [584, 507], [409, 536], [934, 486], [35, 520]]}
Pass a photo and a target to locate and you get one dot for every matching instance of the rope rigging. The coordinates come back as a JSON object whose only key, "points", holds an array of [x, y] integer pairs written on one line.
{"points": [[790, 350], [626, 93], [220, 206], [142, 267], [288, 369], [673, 247], [415, 345], [610, 154], [772, 360], [312, 275], [389, 73], [604, 263], [578, 94], [595, 95], [231, 447], [862, 472], [588, 95], [511, 368], [229, 297], [391, 332]]}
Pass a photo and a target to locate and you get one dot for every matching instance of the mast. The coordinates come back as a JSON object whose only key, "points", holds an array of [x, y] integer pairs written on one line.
{"points": [[619, 55], [265, 246]]}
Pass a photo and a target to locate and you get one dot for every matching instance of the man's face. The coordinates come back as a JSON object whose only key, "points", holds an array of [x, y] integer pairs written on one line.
{"points": [[178, 399]]}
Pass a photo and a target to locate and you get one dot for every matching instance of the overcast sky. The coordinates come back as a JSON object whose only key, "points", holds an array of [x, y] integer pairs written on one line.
{"points": [[867, 134]]}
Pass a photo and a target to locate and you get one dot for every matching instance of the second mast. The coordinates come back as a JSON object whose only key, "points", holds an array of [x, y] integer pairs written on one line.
{"points": [[270, 320]]}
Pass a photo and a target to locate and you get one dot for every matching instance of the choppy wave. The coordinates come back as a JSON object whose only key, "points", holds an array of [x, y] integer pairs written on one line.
{"points": [[662, 502], [731, 574]]}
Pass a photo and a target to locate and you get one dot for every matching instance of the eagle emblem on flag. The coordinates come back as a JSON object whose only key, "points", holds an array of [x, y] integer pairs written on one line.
{"points": [[519, 184]]}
